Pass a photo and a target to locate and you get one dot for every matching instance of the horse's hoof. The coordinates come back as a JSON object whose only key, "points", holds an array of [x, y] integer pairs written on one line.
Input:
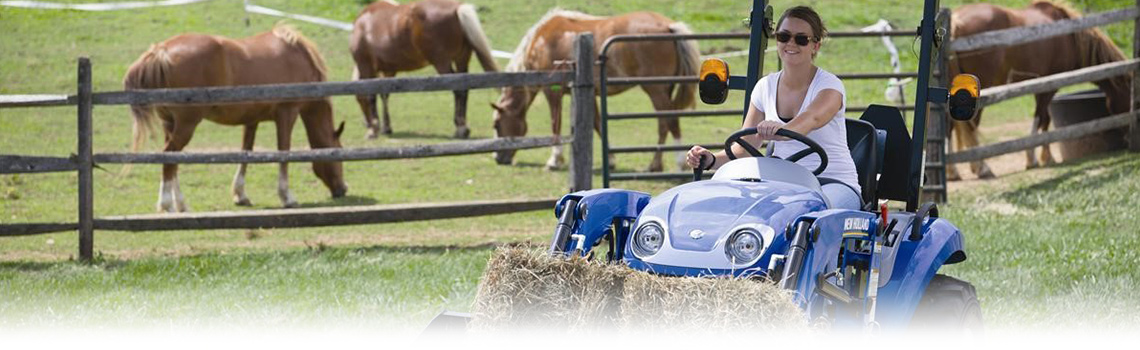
{"points": [[243, 202], [291, 205], [462, 133], [387, 131], [654, 168], [372, 134], [985, 173], [164, 207], [1032, 165]]}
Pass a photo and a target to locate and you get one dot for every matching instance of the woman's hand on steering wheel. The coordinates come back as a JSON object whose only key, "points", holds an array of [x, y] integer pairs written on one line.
{"points": [[766, 130], [700, 158]]}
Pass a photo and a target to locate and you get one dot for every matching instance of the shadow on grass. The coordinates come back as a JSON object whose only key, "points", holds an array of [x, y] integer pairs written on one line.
{"points": [[319, 249], [348, 200], [1077, 178]]}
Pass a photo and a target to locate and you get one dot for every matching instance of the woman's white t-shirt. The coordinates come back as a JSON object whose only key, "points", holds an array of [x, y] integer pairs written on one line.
{"points": [[831, 136]]}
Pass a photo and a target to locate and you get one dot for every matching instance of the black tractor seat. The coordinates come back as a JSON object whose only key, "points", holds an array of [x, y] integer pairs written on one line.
{"points": [[879, 145]]}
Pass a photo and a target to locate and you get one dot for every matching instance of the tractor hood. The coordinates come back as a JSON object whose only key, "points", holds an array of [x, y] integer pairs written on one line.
{"points": [[698, 216]]}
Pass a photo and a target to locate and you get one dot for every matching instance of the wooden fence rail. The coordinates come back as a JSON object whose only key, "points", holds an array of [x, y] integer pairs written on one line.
{"points": [[1021, 35], [1045, 138], [334, 154], [277, 92], [1053, 82], [291, 218]]}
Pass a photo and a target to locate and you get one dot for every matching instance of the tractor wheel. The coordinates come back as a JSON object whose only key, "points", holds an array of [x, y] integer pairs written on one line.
{"points": [[949, 305]]}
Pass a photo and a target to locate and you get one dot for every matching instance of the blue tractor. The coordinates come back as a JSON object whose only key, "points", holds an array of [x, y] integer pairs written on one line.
{"points": [[767, 218]]}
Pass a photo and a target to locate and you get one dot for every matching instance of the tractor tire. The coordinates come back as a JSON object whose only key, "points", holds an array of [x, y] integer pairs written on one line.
{"points": [[949, 305]]}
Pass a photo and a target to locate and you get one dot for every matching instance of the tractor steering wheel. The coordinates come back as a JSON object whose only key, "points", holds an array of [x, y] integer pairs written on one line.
{"points": [[737, 138]]}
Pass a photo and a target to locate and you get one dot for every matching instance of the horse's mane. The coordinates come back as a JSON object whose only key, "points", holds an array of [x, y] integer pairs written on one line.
{"points": [[518, 60], [292, 36]]}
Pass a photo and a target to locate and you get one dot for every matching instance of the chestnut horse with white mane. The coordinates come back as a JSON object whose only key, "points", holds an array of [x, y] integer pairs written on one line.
{"points": [[551, 41], [998, 66], [280, 56], [388, 37]]}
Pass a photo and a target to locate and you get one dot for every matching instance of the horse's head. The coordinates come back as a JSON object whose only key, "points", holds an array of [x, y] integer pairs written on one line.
{"points": [[1098, 49], [322, 135], [510, 118]]}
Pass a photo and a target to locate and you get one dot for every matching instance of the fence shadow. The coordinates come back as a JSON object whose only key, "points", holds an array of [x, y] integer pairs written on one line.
{"points": [[348, 200], [1081, 177]]}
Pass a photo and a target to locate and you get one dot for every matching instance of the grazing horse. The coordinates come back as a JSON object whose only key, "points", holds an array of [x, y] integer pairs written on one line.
{"points": [[194, 60], [551, 42], [388, 37], [997, 66]]}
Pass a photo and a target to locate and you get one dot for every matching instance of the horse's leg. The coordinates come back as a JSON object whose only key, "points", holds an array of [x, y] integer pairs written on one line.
{"points": [[598, 129], [461, 129], [953, 144], [286, 117], [980, 167], [179, 130], [368, 102], [249, 131], [554, 100], [461, 132], [674, 125], [1042, 114], [386, 126], [659, 95]]}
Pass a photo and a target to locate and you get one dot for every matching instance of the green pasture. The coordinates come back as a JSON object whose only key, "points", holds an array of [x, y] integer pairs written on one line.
{"points": [[1043, 244]]}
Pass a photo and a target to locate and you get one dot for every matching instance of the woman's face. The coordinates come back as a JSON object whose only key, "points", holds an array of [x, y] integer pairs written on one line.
{"points": [[790, 52]]}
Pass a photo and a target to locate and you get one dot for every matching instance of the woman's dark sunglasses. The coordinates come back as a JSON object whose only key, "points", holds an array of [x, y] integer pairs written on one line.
{"points": [[801, 39]]}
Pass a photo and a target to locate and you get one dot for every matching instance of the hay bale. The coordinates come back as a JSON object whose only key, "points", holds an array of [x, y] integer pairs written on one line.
{"points": [[723, 304], [525, 289]]}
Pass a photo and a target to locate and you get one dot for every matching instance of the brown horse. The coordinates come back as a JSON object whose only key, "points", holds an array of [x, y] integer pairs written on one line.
{"points": [[997, 66], [388, 37], [550, 42], [194, 60]]}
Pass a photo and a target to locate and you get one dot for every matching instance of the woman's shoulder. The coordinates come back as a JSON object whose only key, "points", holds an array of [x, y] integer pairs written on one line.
{"points": [[829, 80], [827, 76], [770, 78]]}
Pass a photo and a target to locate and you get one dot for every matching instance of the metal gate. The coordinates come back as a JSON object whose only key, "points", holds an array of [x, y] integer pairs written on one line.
{"points": [[758, 38]]}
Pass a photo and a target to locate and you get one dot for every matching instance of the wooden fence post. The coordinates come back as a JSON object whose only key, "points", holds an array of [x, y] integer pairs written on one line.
{"points": [[582, 113], [1134, 129], [86, 175]]}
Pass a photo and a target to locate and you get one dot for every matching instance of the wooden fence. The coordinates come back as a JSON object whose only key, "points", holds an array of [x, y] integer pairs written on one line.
{"points": [[84, 161], [1015, 36]]}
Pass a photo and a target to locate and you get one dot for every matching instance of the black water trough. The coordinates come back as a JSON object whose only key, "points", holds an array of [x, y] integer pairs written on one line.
{"points": [[1081, 107]]}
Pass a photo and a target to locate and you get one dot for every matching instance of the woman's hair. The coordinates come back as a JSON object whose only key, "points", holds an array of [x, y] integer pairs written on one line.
{"points": [[807, 14]]}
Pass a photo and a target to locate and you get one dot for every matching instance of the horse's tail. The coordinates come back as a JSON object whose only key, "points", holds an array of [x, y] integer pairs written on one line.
{"points": [[689, 61], [292, 36], [473, 31], [150, 71]]}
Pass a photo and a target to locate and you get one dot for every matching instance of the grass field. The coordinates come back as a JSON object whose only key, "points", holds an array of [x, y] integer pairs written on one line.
{"points": [[1044, 245]]}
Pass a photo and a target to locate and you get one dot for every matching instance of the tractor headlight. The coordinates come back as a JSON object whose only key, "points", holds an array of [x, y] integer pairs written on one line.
{"points": [[744, 246], [648, 239]]}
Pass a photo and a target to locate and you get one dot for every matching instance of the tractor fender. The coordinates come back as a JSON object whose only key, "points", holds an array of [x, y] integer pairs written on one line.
{"points": [[596, 211], [826, 237], [916, 263]]}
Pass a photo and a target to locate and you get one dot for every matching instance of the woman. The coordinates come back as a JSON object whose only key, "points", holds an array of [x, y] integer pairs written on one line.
{"points": [[801, 98]]}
